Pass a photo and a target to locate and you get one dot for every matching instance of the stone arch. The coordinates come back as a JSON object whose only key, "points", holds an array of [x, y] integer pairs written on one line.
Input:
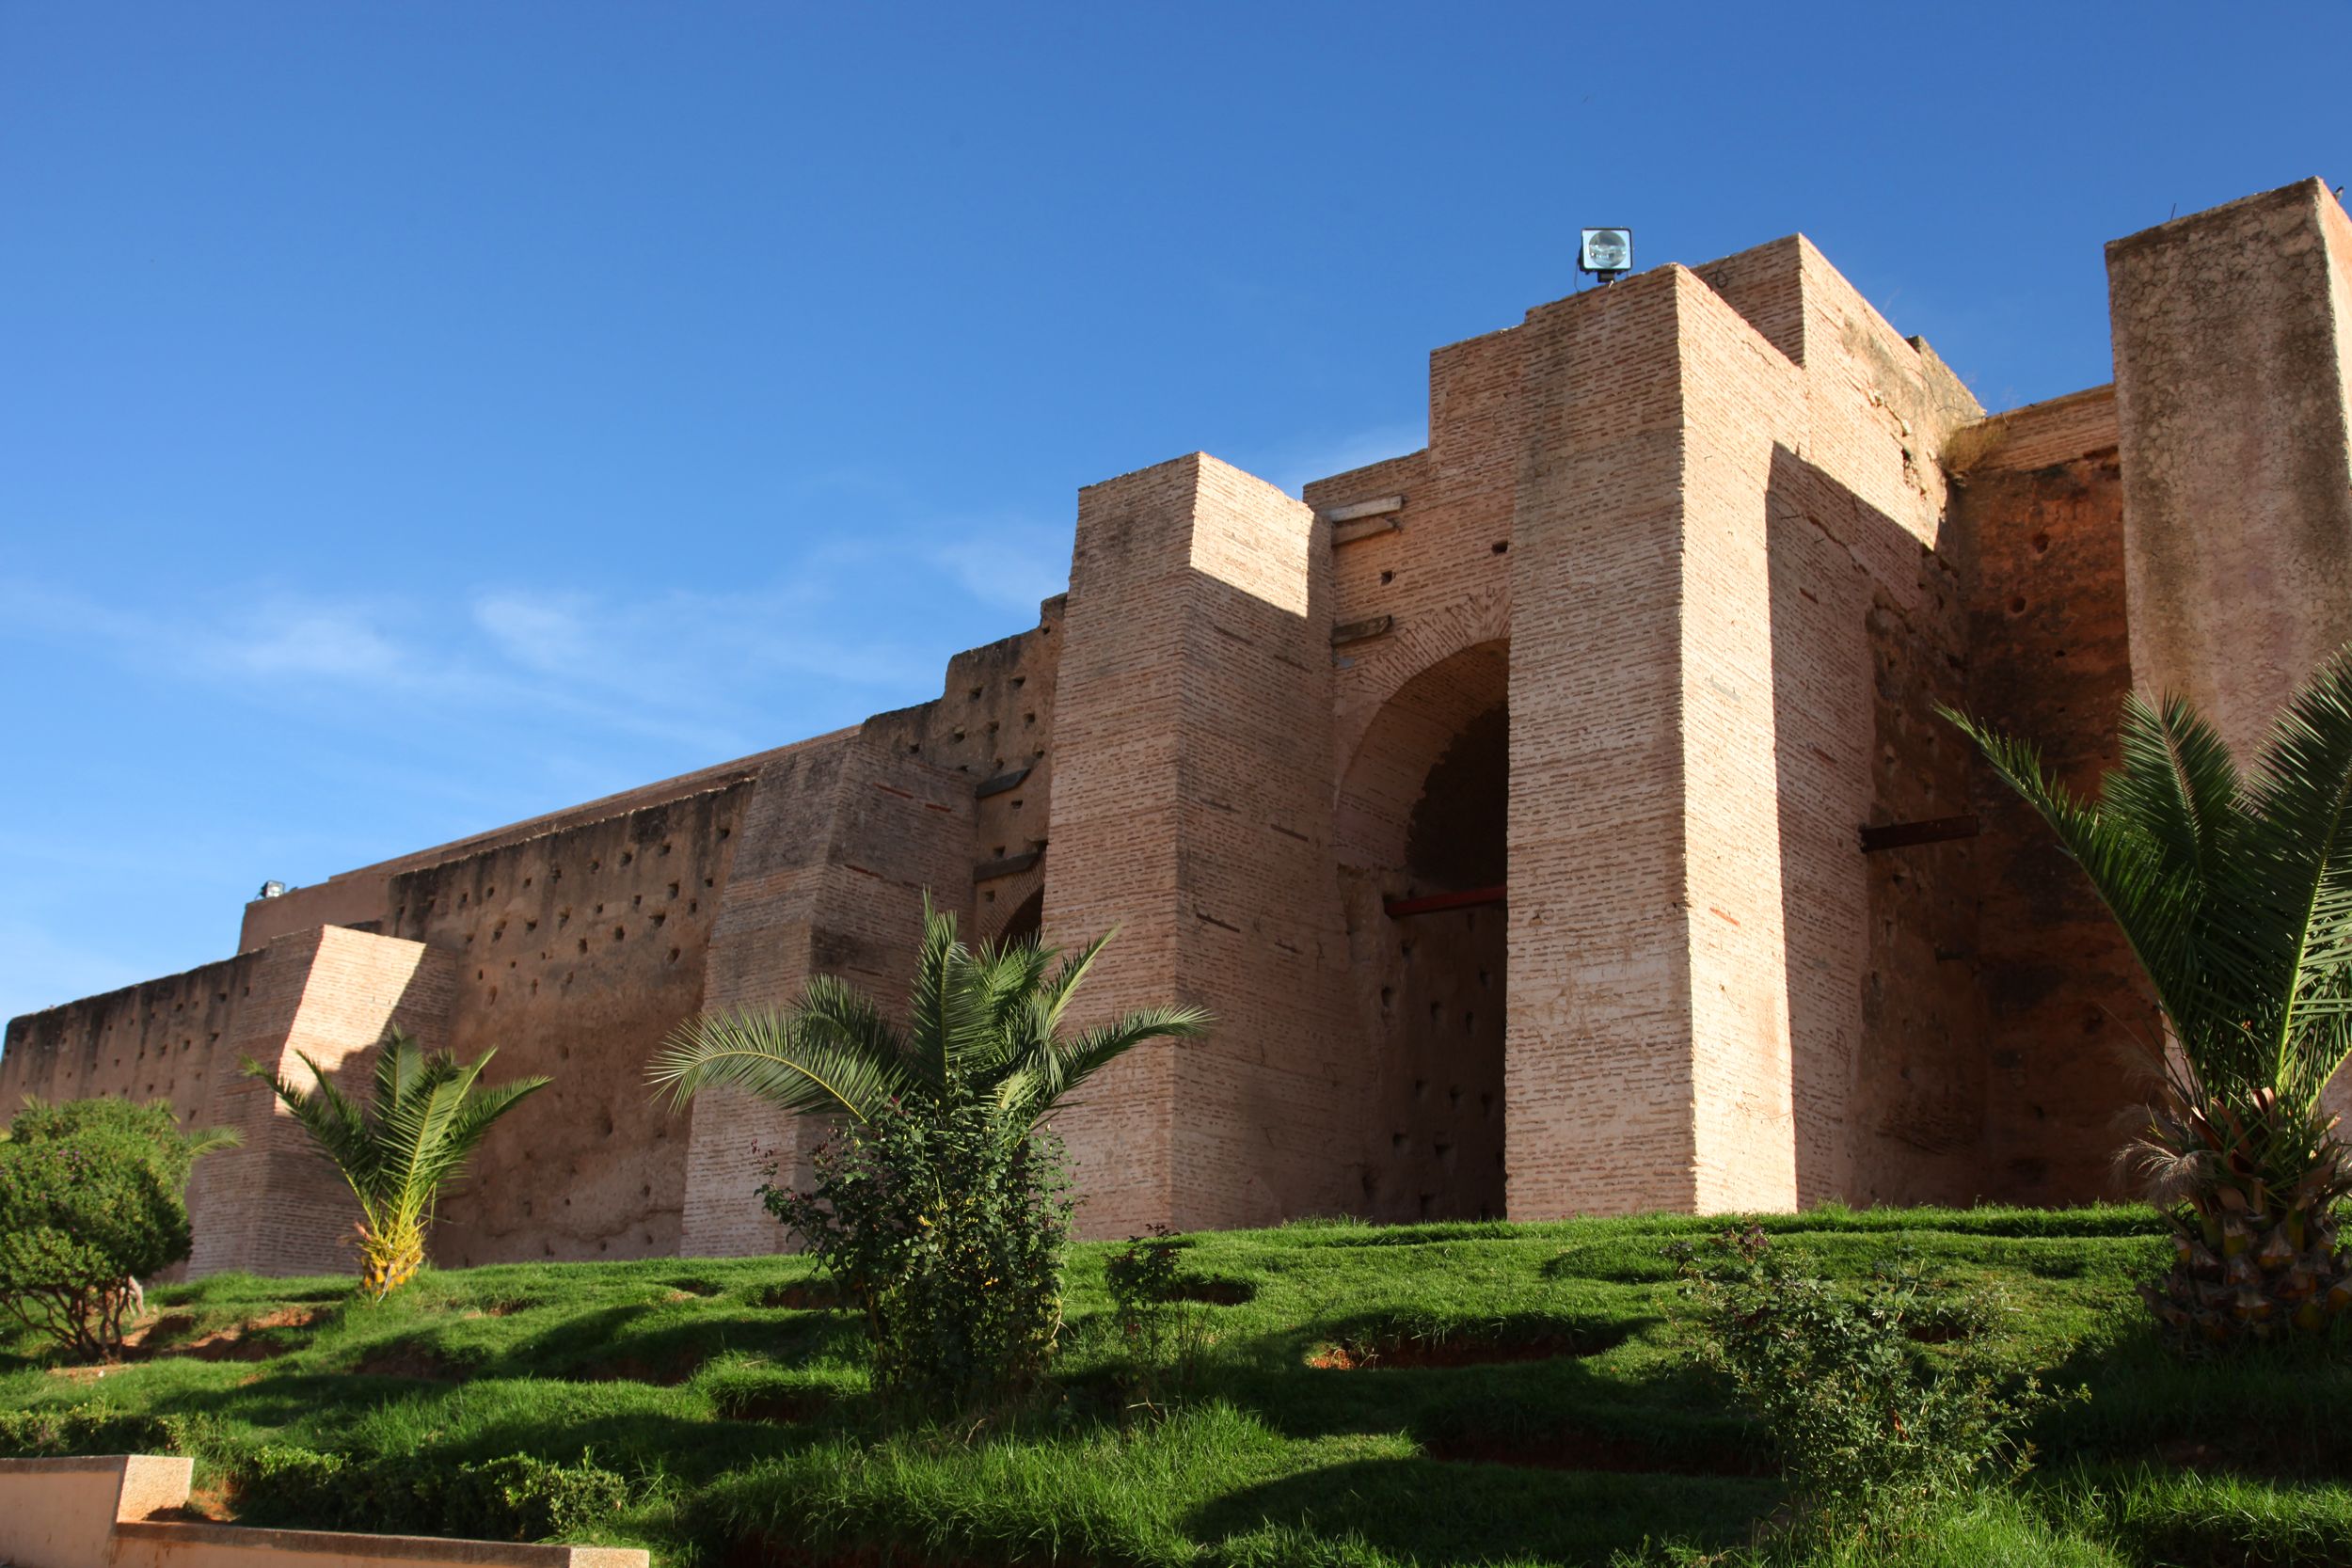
{"points": [[1017, 908], [1404, 740], [1420, 643], [1422, 811]]}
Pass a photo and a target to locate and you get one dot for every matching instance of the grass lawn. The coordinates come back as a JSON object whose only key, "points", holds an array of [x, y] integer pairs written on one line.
{"points": [[1430, 1394]]}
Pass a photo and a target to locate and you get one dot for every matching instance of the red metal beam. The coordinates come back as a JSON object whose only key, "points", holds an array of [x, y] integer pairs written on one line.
{"points": [[1477, 897]]}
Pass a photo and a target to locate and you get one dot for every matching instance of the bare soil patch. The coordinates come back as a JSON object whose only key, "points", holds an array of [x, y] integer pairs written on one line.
{"points": [[782, 1407], [630, 1369], [254, 1339]]}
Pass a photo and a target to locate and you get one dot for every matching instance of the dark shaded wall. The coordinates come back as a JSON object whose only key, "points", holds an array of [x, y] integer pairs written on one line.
{"points": [[2069, 1028]]}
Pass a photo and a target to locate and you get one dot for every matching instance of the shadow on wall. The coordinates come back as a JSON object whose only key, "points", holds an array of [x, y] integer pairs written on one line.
{"points": [[1887, 982], [1425, 801]]}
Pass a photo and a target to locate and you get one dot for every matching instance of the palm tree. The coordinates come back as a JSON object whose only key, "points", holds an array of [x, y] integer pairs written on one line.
{"points": [[427, 1115], [982, 1024], [2235, 893]]}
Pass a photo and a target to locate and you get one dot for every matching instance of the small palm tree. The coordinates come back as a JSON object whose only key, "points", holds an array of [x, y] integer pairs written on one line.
{"points": [[428, 1114], [2236, 893], [983, 1024]]}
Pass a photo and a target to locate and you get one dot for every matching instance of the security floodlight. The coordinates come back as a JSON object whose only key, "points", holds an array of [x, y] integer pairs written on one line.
{"points": [[273, 890], [1606, 253]]}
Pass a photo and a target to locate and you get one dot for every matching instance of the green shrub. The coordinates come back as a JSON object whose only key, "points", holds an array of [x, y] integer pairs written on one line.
{"points": [[514, 1498], [1869, 1423], [1162, 1336], [90, 1198], [54, 1431], [945, 1228]]}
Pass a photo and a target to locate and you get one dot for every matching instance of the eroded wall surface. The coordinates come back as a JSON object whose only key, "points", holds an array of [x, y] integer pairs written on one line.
{"points": [[2069, 1031], [2233, 355], [576, 953]]}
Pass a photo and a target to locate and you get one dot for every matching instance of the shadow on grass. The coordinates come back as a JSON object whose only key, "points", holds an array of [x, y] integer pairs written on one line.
{"points": [[644, 1344], [2271, 1411], [1433, 1513]]}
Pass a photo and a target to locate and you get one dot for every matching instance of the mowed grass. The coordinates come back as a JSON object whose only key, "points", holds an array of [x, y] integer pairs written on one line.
{"points": [[1441, 1394]]}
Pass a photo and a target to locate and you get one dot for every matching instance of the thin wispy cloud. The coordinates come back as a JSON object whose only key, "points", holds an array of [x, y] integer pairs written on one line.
{"points": [[705, 670], [1010, 563]]}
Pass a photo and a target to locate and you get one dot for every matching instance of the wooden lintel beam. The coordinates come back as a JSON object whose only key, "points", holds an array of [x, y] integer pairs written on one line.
{"points": [[1356, 510], [1359, 631], [1473, 898], [1899, 835], [998, 784], [1009, 865]]}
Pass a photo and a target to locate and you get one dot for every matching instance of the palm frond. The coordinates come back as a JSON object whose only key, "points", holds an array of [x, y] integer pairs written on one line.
{"points": [[414, 1130], [333, 1122], [2299, 866], [477, 1110], [767, 1054], [1051, 1076], [2154, 901]]}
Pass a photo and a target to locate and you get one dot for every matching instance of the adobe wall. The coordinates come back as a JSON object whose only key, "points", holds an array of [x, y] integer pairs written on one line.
{"points": [[2232, 359], [160, 1039], [1860, 620], [272, 1205], [1191, 812], [574, 953], [1649, 632], [2069, 1030], [993, 725], [1424, 589], [839, 843], [2233, 387], [269, 1206]]}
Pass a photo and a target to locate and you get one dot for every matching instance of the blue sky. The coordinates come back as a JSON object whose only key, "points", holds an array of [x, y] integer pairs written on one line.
{"points": [[414, 417]]}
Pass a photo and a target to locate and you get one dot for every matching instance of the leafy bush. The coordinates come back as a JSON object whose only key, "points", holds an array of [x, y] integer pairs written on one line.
{"points": [[514, 1497], [83, 1428], [92, 1196], [1868, 1423], [945, 1228], [1162, 1335]]}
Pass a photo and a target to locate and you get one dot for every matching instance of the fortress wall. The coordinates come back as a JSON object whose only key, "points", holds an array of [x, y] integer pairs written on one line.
{"points": [[2232, 356], [270, 1206], [273, 1205], [1867, 634], [1429, 992], [2233, 389], [160, 1039], [1190, 811], [358, 896], [574, 953], [993, 726], [1442, 576], [838, 844], [2068, 1021]]}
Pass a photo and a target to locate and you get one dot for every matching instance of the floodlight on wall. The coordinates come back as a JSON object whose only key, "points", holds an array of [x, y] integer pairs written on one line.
{"points": [[1606, 253], [273, 890]]}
